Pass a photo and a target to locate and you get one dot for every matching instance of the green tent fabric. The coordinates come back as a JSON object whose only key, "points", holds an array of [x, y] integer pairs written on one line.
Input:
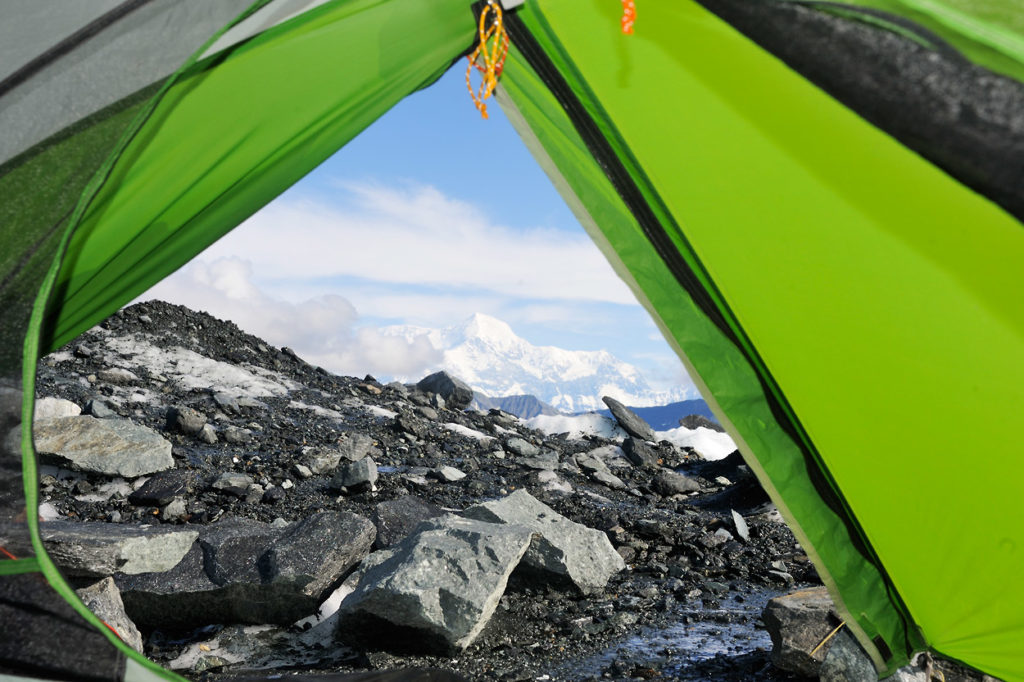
{"points": [[841, 285]]}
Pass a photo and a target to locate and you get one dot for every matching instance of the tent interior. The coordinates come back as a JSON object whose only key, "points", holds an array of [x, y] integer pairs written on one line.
{"points": [[819, 204]]}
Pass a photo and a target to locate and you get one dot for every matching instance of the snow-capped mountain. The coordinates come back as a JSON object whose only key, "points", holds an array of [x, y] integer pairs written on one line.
{"points": [[485, 353]]}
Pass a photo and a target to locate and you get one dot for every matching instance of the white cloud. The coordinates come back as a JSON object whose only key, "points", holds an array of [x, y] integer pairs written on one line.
{"points": [[417, 235], [322, 330]]}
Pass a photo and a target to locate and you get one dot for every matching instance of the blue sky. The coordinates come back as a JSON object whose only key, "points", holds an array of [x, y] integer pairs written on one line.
{"points": [[428, 216]]}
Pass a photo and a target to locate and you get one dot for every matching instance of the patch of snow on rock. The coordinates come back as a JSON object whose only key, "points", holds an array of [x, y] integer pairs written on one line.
{"points": [[190, 370], [712, 444], [577, 426], [468, 432], [316, 409], [47, 512], [380, 412]]}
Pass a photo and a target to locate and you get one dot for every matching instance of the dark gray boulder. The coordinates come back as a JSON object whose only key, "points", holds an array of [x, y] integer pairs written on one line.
{"points": [[797, 624], [640, 453], [456, 393], [630, 421], [185, 420], [244, 571], [396, 519]]}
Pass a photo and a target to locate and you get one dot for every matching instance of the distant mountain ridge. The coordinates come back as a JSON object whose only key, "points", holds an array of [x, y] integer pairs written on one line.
{"points": [[487, 354], [525, 406]]}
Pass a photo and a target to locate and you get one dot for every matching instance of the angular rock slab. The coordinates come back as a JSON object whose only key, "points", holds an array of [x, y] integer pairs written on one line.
{"points": [[318, 550], [630, 421], [97, 550], [104, 599], [797, 623], [244, 571], [561, 547], [456, 393], [436, 590], [115, 447]]}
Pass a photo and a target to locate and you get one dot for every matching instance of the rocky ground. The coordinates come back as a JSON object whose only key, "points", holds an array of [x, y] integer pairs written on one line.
{"points": [[229, 489]]}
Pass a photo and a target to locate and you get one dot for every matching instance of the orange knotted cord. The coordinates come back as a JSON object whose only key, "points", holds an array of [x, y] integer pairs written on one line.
{"points": [[491, 50], [628, 15]]}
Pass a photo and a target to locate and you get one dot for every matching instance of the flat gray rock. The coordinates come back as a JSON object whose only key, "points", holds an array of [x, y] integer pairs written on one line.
{"points": [[629, 420], [436, 590], [114, 447], [104, 600], [233, 482], [561, 547], [96, 549], [521, 447], [669, 482]]}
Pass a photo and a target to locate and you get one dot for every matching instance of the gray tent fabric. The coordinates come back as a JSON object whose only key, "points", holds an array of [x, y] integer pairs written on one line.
{"points": [[103, 61], [55, 642]]}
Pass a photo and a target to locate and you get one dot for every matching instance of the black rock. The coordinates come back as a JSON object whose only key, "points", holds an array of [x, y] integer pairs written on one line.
{"points": [[457, 395], [629, 420], [694, 421], [640, 453], [163, 487], [395, 519]]}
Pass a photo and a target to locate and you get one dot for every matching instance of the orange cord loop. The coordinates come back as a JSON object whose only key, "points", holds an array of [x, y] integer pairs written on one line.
{"points": [[489, 55], [628, 15]]}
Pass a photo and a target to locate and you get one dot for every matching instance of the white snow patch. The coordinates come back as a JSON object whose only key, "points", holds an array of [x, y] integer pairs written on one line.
{"points": [[468, 432], [577, 426], [316, 409], [47, 512], [194, 371], [106, 491], [330, 605], [380, 412], [712, 444], [60, 356]]}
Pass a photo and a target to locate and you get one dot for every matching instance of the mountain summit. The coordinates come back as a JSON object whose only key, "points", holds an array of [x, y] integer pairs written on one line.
{"points": [[487, 354]]}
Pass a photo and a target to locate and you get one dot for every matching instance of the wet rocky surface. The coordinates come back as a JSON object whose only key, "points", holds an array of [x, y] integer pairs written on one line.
{"points": [[264, 444]]}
